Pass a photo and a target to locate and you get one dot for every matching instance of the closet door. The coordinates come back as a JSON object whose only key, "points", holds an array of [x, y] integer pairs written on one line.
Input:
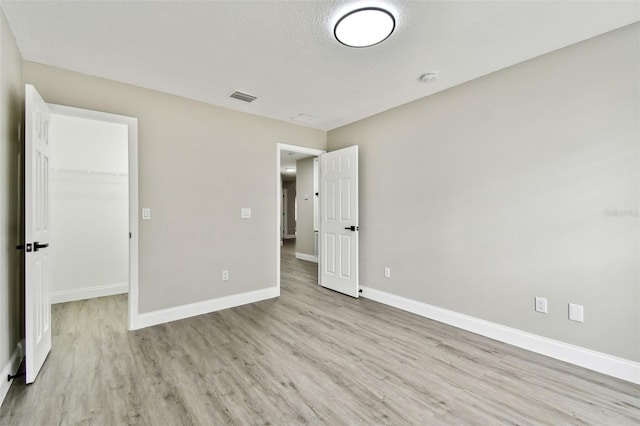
{"points": [[37, 232], [339, 221]]}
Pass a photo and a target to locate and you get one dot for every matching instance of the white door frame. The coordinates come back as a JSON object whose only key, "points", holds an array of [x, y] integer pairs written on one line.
{"points": [[132, 125], [279, 148]]}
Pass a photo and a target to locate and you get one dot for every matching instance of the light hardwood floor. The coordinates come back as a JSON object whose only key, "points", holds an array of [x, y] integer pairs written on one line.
{"points": [[311, 356]]}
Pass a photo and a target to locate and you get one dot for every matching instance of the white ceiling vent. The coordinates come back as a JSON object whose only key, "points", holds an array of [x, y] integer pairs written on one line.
{"points": [[307, 119], [243, 96]]}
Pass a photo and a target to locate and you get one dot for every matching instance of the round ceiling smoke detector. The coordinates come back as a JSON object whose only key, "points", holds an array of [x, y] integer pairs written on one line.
{"points": [[364, 27], [430, 76]]}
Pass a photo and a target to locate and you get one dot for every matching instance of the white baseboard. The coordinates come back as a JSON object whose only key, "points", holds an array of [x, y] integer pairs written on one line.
{"points": [[88, 292], [162, 316], [592, 360], [306, 257], [290, 237], [10, 368]]}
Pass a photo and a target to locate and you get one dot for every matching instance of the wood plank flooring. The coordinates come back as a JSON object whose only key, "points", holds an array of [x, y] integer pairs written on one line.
{"points": [[311, 356]]}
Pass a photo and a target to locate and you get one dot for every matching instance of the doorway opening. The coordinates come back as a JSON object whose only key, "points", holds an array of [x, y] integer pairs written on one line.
{"points": [[297, 204], [93, 206]]}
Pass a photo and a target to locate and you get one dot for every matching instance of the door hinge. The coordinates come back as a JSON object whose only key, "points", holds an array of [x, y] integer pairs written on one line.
{"points": [[129, 235]]}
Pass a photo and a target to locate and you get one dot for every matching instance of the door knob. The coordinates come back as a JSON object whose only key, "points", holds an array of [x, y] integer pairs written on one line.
{"points": [[352, 228], [37, 246]]}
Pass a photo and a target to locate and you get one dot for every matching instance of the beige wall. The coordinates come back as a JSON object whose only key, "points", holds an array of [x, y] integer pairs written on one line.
{"points": [[305, 239], [187, 151], [486, 195], [11, 105]]}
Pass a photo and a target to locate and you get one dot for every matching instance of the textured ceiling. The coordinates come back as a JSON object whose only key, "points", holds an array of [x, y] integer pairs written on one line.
{"points": [[285, 53]]}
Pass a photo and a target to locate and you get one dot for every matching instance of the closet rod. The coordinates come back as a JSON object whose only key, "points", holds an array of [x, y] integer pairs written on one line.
{"points": [[89, 172]]}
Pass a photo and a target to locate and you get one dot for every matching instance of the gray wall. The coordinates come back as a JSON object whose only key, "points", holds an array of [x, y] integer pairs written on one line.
{"points": [[305, 242], [187, 151], [486, 195], [11, 105]]}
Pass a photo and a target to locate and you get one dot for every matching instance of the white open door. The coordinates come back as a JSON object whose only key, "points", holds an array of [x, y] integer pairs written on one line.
{"points": [[37, 259], [339, 221]]}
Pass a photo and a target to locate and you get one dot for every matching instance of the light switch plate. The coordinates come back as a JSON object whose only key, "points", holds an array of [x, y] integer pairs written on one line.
{"points": [[245, 213], [541, 305], [576, 312], [146, 213]]}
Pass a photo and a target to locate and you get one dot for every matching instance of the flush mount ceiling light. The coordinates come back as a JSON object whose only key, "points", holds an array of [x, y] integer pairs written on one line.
{"points": [[290, 169], [364, 27]]}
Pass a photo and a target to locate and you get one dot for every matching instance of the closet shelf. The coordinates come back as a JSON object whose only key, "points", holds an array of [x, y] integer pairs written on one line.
{"points": [[88, 172]]}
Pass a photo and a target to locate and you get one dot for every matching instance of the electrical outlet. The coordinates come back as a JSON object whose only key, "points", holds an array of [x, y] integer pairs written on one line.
{"points": [[387, 272], [541, 305], [225, 275]]}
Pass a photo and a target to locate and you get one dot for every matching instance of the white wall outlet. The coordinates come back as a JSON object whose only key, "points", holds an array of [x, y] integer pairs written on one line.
{"points": [[387, 272], [541, 305], [245, 213], [146, 213], [225, 275], [576, 312]]}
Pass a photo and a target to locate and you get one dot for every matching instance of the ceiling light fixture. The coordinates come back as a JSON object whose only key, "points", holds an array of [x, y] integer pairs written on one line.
{"points": [[290, 169], [364, 27]]}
